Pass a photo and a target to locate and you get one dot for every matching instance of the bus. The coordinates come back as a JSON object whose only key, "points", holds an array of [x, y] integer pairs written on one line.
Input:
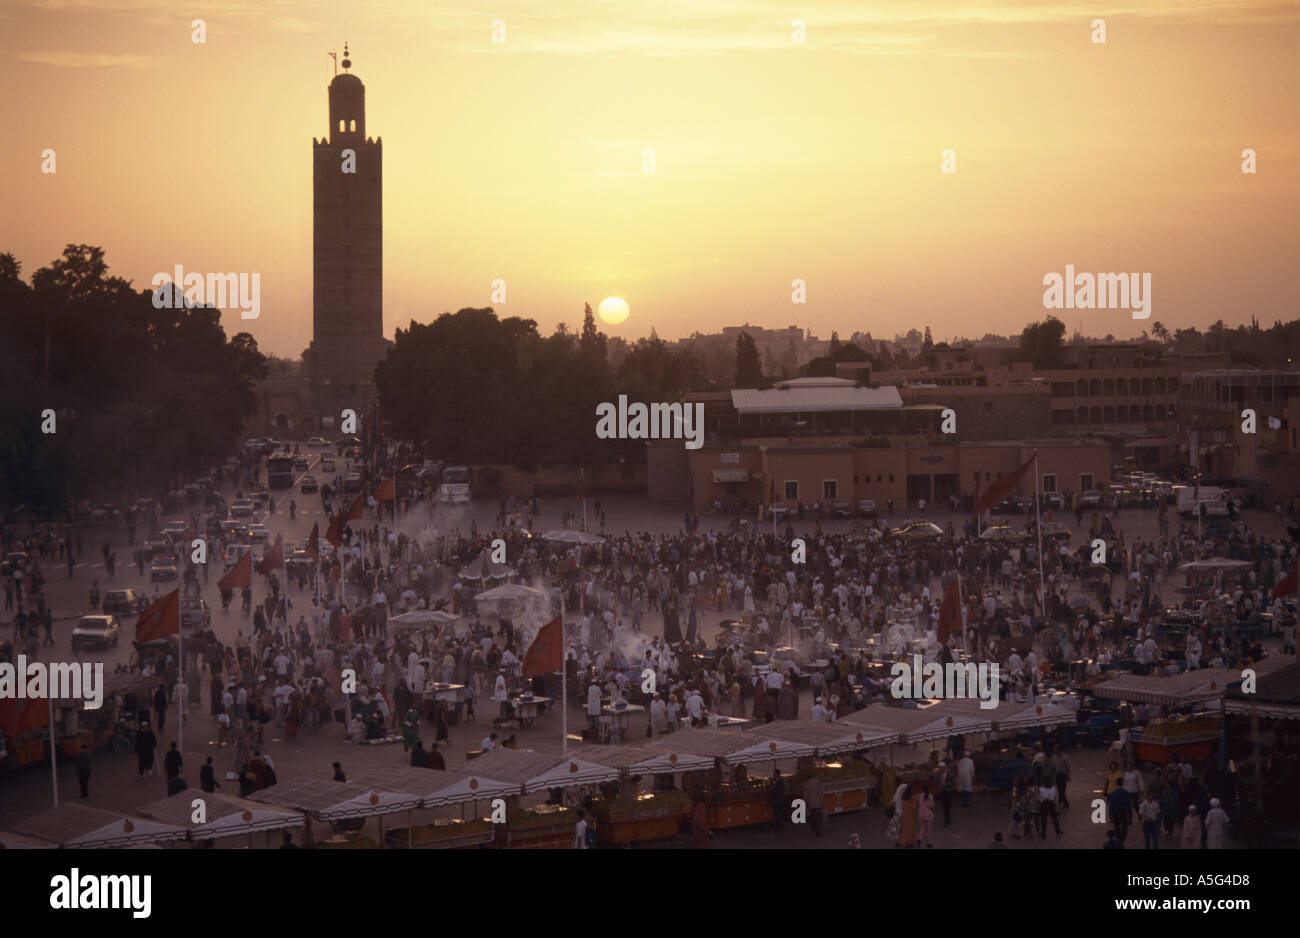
{"points": [[279, 470], [455, 484]]}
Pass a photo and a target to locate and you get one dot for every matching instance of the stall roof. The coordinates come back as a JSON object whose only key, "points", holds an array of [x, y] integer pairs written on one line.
{"points": [[1276, 695], [117, 684], [81, 826], [533, 771], [824, 738], [697, 748], [329, 801], [227, 816], [1184, 689], [917, 726], [438, 788]]}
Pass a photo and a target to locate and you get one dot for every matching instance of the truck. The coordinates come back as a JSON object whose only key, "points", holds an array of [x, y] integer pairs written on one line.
{"points": [[1188, 498], [455, 485]]}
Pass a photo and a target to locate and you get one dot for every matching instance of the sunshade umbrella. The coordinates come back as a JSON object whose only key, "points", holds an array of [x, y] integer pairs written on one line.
{"points": [[569, 536]]}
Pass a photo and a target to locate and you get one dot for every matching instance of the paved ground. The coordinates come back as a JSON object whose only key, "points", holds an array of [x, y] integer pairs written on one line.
{"points": [[116, 786]]}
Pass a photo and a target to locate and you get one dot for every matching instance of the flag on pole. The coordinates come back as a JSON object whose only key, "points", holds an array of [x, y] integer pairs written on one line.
{"points": [[272, 559], [1002, 487], [335, 533], [313, 541], [1287, 586], [162, 617], [950, 613], [239, 577], [386, 491], [546, 654]]}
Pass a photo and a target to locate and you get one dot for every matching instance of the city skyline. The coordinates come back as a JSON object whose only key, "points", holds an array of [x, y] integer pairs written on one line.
{"points": [[523, 160]]}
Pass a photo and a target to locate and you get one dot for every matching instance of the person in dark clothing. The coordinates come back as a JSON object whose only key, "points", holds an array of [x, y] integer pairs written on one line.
{"points": [[288, 842], [172, 761], [83, 770], [145, 744], [175, 785], [1120, 803], [246, 784], [779, 797], [160, 704], [338, 773], [208, 777], [436, 761], [419, 756]]}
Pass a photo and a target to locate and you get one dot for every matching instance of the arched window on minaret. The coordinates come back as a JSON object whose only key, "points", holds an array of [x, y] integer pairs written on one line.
{"points": [[353, 128], [342, 124]]}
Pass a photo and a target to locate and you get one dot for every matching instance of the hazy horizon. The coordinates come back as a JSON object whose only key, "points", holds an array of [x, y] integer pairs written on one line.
{"points": [[774, 160]]}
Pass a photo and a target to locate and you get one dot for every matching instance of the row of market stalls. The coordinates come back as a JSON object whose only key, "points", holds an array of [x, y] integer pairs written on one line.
{"points": [[729, 770]]}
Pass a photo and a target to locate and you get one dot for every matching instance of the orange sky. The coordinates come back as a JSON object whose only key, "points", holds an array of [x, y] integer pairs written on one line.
{"points": [[775, 160]]}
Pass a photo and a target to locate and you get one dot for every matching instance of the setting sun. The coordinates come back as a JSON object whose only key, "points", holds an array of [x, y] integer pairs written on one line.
{"points": [[613, 310]]}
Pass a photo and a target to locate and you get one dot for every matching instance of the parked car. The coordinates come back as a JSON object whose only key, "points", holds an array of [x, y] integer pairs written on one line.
{"points": [[327, 464], [352, 483], [866, 508], [259, 495], [123, 602], [308, 484], [1054, 500], [96, 631], [1090, 499], [1004, 534], [1056, 530], [300, 462], [841, 509], [257, 533], [241, 508], [779, 510]]}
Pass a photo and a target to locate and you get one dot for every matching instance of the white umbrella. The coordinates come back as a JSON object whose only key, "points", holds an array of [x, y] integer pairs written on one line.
{"points": [[1214, 565], [482, 568], [423, 618], [509, 591], [568, 536]]}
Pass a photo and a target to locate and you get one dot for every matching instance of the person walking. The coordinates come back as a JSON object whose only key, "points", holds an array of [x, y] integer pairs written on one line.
{"points": [[812, 796], [160, 704], [1216, 825], [1191, 829], [1149, 811], [145, 744], [1047, 809], [966, 778], [700, 826], [1061, 763], [208, 778], [947, 790], [83, 770], [925, 817]]}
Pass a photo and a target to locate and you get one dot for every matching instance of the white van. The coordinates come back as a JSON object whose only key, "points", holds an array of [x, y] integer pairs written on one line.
{"points": [[1214, 499]]}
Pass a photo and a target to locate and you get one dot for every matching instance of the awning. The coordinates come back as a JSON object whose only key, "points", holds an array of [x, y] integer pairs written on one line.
{"points": [[226, 816], [533, 771], [329, 801], [439, 788], [80, 826], [824, 739], [730, 475]]}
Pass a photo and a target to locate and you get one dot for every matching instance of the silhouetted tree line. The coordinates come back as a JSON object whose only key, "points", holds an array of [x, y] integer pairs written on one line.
{"points": [[143, 398], [474, 388]]}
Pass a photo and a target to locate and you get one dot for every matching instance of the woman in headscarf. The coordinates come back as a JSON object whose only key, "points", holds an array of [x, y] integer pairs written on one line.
{"points": [[924, 816], [908, 807], [1191, 829], [410, 729], [1216, 825]]}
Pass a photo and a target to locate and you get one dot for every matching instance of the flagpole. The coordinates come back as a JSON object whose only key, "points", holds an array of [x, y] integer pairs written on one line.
{"points": [[181, 704], [1038, 523], [54, 768], [564, 688]]}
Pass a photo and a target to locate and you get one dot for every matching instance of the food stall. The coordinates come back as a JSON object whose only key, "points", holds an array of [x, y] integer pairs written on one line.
{"points": [[540, 826], [440, 789], [224, 816], [845, 782], [624, 815], [78, 826], [339, 804]]}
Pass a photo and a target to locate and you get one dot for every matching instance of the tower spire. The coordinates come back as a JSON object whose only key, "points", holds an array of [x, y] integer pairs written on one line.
{"points": [[347, 63]]}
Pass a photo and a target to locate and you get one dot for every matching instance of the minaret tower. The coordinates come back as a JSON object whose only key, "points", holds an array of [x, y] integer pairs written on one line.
{"points": [[348, 256]]}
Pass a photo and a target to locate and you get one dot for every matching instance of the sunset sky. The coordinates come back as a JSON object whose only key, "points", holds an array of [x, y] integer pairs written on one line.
{"points": [[774, 160]]}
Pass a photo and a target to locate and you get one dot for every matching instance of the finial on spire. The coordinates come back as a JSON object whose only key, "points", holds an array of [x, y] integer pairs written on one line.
{"points": [[347, 63]]}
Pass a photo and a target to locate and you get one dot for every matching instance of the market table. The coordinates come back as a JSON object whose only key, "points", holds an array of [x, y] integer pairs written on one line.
{"points": [[449, 693], [527, 708], [619, 720]]}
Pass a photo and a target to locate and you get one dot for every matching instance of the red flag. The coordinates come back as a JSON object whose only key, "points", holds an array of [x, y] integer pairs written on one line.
{"points": [[1287, 586], [1002, 487], [273, 559], [163, 617], [239, 577], [335, 533], [313, 541], [546, 653], [950, 613], [387, 491]]}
